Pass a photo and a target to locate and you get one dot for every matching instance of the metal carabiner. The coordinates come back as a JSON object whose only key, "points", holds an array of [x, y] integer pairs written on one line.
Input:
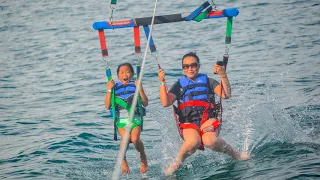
{"points": [[106, 61], [214, 5], [139, 58], [226, 51], [155, 56], [112, 7]]}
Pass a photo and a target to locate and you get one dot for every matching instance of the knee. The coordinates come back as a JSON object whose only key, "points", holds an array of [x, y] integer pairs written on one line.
{"points": [[210, 145], [193, 145], [193, 149], [210, 141], [135, 140]]}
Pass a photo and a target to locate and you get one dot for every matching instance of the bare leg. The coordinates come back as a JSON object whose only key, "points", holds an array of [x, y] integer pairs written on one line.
{"points": [[138, 144], [124, 163], [215, 143], [190, 145]]}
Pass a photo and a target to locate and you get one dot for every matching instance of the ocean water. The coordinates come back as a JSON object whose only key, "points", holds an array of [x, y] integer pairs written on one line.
{"points": [[53, 123]]}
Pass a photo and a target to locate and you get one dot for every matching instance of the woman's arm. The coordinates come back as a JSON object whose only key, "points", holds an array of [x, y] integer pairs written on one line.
{"points": [[226, 88], [166, 98], [225, 85]]}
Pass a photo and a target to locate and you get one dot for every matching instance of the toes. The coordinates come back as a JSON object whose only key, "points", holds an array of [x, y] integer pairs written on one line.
{"points": [[172, 168], [143, 166], [244, 156], [125, 167]]}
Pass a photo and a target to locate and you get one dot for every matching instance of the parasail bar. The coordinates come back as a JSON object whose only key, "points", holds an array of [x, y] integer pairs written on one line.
{"points": [[145, 21]]}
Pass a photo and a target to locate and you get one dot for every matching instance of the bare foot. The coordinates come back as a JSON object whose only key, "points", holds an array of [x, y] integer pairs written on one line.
{"points": [[173, 168], [125, 167], [143, 166], [244, 156]]}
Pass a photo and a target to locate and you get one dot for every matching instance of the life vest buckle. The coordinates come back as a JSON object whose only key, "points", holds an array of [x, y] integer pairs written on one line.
{"points": [[208, 129]]}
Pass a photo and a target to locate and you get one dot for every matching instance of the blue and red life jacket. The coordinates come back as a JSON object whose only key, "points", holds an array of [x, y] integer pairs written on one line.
{"points": [[196, 102], [123, 97]]}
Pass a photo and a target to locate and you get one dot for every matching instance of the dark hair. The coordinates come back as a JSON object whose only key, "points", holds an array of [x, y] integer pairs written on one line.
{"points": [[191, 54], [125, 64]]}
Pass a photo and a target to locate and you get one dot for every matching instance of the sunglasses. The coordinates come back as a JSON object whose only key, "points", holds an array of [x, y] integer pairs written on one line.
{"points": [[192, 65]]}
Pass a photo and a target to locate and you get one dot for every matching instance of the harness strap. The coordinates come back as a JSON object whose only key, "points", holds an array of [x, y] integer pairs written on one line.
{"points": [[228, 31], [109, 76], [114, 2], [205, 114], [197, 11], [203, 15], [194, 103], [189, 126], [152, 46], [215, 125], [136, 35], [103, 43], [138, 69], [128, 85], [122, 103], [126, 106], [124, 93]]}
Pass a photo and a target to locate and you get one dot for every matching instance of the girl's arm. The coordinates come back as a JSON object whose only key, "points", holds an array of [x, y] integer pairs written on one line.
{"points": [[107, 100], [144, 98]]}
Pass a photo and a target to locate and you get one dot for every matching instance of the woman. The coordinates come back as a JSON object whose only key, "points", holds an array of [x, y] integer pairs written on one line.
{"points": [[197, 114]]}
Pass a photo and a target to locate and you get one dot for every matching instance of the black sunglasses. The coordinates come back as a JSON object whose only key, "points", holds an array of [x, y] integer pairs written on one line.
{"points": [[192, 65]]}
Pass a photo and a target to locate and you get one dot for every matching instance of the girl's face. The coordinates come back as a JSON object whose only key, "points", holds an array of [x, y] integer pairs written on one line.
{"points": [[125, 74]]}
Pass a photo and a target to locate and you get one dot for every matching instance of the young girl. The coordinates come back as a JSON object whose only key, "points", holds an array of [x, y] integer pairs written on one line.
{"points": [[123, 96]]}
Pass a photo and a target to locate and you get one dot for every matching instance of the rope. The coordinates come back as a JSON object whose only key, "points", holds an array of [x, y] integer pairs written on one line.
{"points": [[116, 172]]}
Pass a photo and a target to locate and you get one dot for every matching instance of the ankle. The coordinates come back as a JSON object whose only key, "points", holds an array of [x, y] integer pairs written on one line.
{"points": [[143, 156], [177, 161]]}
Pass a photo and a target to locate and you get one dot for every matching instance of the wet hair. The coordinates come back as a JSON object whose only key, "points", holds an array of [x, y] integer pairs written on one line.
{"points": [[191, 54], [126, 64]]}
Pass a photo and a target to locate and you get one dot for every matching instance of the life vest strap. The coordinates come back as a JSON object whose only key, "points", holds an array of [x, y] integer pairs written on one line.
{"points": [[189, 126], [124, 93], [122, 103], [215, 125], [195, 103], [192, 103]]}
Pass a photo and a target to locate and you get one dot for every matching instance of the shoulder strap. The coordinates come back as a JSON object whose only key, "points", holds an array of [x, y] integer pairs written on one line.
{"points": [[113, 106], [122, 103], [114, 116], [181, 92], [210, 91]]}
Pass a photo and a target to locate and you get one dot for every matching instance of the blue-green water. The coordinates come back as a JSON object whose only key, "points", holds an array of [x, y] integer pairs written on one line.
{"points": [[53, 123]]}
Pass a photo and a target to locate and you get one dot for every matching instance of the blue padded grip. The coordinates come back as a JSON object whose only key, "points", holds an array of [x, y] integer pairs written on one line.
{"points": [[231, 12]]}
